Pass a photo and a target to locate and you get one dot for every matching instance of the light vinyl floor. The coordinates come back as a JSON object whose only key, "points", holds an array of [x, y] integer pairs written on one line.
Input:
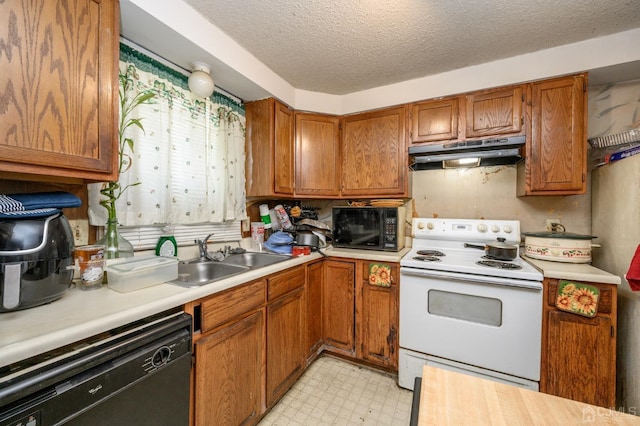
{"points": [[337, 392]]}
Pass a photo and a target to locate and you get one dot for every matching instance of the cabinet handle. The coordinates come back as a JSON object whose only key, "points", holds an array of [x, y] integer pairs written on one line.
{"points": [[613, 333]]}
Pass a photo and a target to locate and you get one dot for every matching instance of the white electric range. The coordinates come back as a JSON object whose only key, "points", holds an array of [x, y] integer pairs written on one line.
{"points": [[464, 311]]}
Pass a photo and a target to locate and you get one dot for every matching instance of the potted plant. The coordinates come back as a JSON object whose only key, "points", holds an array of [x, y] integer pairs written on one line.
{"points": [[115, 245]]}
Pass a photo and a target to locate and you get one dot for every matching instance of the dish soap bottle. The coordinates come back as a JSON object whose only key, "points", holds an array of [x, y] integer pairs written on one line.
{"points": [[167, 246]]}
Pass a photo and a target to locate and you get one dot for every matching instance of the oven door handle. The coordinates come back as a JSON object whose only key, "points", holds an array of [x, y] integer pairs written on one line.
{"points": [[511, 282]]}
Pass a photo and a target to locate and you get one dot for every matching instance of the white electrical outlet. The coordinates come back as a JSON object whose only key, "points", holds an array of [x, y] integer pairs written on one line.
{"points": [[80, 230], [550, 222]]}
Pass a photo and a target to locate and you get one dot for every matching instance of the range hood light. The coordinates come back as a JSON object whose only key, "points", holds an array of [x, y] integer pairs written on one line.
{"points": [[462, 162], [473, 153]]}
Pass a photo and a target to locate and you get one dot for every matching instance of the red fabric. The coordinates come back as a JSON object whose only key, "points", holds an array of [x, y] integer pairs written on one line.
{"points": [[633, 274]]}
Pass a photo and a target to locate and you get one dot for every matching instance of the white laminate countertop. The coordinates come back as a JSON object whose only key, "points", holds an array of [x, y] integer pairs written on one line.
{"points": [[573, 271], [81, 314]]}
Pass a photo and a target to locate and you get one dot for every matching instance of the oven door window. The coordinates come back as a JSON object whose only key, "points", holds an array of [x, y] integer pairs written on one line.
{"points": [[466, 307]]}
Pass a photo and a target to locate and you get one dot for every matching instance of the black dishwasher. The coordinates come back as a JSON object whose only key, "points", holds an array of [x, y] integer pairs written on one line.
{"points": [[133, 375]]}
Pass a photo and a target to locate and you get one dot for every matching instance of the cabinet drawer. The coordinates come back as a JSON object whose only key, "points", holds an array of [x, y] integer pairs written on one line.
{"points": [[232, 303], [393, 266], [285, 282], [605, 301]]}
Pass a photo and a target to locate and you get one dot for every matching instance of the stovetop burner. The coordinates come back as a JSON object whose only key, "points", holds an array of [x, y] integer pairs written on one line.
{"points": [[430, 253], [427, 258], [498, 264]]}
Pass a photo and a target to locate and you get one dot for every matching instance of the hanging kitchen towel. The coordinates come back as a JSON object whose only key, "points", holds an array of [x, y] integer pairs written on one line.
{"points": [[633, 274], [37, 204], [577, 298], [380, 274]]}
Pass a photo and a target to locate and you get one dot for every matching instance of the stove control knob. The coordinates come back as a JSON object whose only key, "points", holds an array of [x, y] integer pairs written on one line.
{"points": [[420, 225], [495, 228], [430, 226], [507, 229], [482, 228]]}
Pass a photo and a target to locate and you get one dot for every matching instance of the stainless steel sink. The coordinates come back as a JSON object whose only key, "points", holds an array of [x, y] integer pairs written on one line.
{"points": [[254, 260], [196, 273]]}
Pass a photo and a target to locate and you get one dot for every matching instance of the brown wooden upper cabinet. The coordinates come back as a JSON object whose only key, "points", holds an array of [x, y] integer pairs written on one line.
{"points": [[317, 154], [556, 151], [59, 120], [269, 148], [433, 121], [374, 154], [494, 112]]}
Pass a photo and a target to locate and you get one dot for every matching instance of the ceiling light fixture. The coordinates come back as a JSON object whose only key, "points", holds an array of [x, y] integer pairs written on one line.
{"points": [[200, 81]]}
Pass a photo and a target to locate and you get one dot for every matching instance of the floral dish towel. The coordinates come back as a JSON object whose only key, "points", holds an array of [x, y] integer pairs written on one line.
{"points": [[380, 274], [577, 298]]}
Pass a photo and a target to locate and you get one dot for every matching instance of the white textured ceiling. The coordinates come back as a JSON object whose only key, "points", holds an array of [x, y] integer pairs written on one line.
{"points": [[344, 46]]}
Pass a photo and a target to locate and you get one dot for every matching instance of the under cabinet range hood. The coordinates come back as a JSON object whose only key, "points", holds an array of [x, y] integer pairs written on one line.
{"points": [[470, 153]]}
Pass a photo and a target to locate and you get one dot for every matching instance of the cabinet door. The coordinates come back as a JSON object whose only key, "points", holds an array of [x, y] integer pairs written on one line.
{"points": [[58, 112], [283, 159], [317, 155], [379, 317], [228, 373], [269, 148], [374, 154], [434, 121], [556, 159], [582, 363], [313, 301], [494, 112], [285, 340], [338, 305]]}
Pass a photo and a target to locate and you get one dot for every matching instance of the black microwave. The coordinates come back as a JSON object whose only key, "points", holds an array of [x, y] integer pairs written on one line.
{"points": [[370, 228]]}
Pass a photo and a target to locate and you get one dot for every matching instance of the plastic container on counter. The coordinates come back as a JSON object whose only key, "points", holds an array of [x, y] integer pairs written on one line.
{"points": [[141, 272]]}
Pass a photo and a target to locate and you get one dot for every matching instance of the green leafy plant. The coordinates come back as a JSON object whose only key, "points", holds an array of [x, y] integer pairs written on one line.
{"points": [[112, 191]]}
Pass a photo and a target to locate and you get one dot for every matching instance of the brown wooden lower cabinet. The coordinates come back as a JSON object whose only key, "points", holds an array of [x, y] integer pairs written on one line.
{"points": [[377, 317], [361, 318], [285, 339], [338, 304], [228, 373], [313, 304], [579, 353]]}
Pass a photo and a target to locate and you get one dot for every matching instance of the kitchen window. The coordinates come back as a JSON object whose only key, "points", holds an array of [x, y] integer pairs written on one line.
{"points": [[188, 163]]}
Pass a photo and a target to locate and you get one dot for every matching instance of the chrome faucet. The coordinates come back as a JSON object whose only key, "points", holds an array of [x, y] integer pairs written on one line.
{"points": [[202, 246]]}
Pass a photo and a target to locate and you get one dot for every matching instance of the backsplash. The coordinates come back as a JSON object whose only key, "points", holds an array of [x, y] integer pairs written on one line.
{"points": [[490, 192]]}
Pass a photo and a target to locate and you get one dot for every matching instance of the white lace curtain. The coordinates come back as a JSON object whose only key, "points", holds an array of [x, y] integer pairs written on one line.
{"points": [[189, 160]]}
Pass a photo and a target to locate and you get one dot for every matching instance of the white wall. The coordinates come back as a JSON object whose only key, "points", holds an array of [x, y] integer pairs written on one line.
{"points": [[616, 220], [490, 192]]}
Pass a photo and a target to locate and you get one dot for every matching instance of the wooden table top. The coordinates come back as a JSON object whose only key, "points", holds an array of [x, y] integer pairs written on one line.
{"points": [[450, 398]]}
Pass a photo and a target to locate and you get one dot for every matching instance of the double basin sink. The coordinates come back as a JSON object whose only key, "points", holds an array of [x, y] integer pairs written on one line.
{"points": [[197, 272]]}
